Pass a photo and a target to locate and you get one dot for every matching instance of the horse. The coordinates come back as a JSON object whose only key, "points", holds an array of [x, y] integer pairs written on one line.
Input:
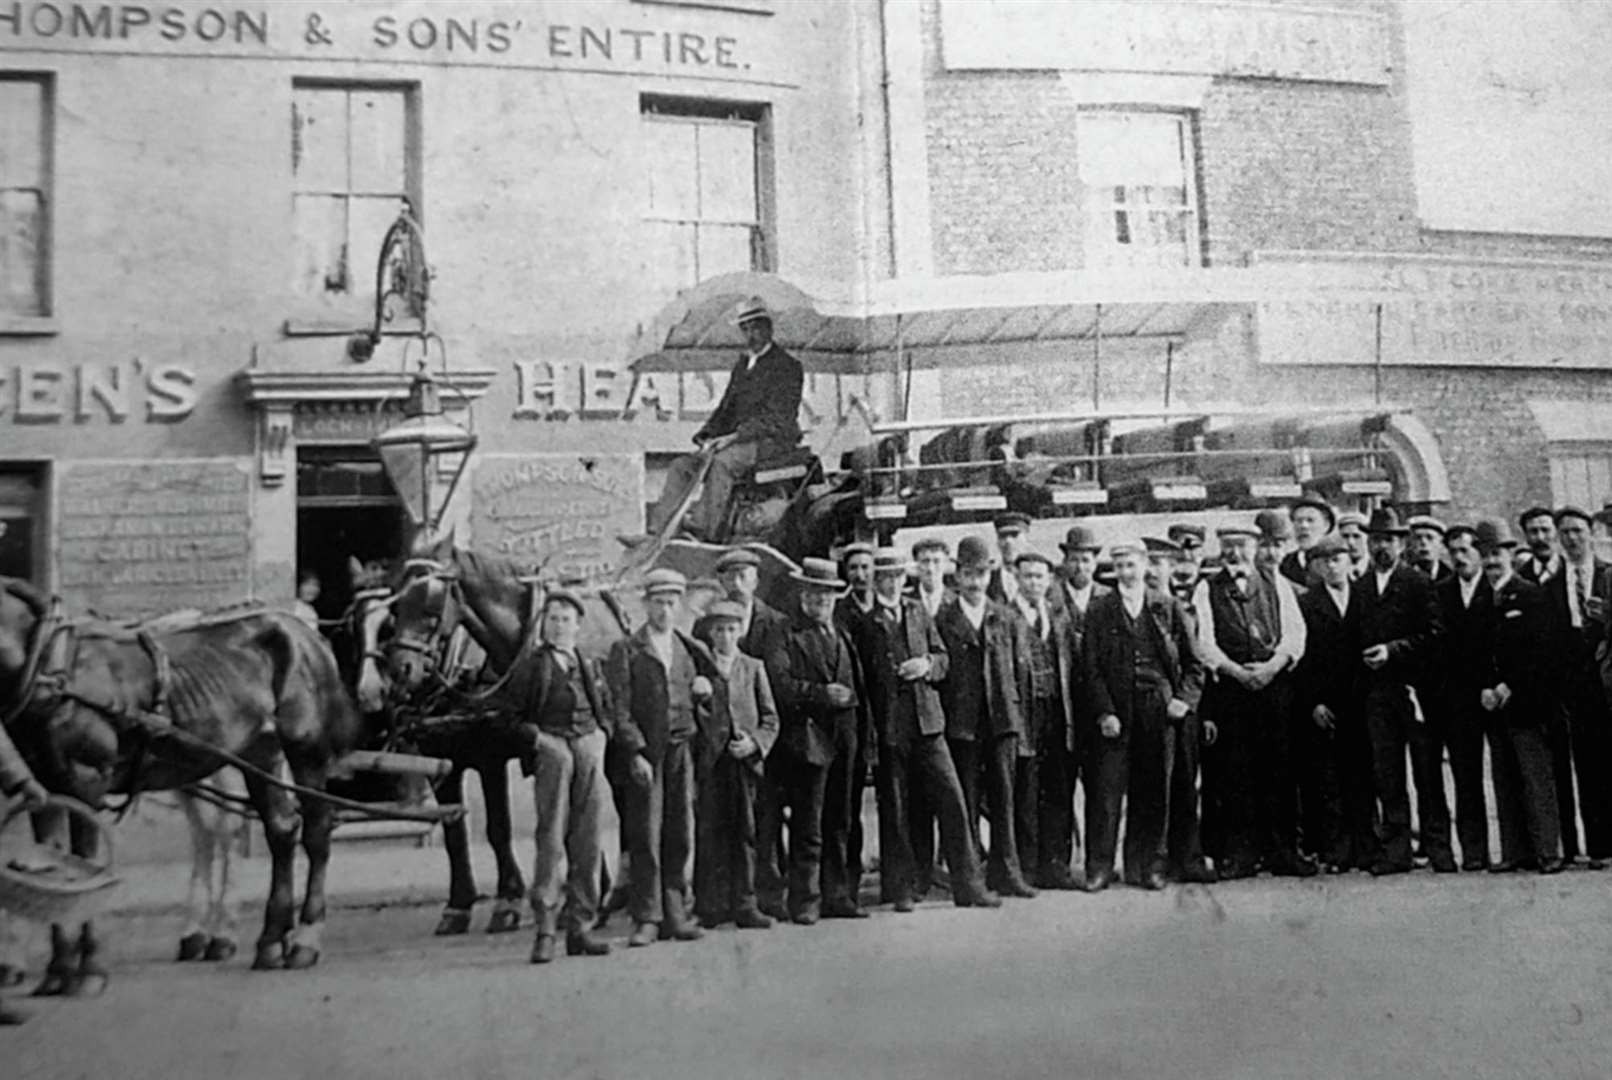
{"points": [[99, 709]]}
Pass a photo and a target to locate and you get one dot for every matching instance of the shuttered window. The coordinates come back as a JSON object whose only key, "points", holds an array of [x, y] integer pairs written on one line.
{"points": [[24, 196], [353, 170]]}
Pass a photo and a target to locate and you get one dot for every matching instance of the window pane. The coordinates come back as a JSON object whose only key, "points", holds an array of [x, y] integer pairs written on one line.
{"points": [[320, 224], [727, 172], [378, 129], [723, 249], [22, 139], [319, 139], [22, 230], [668, 257], [669, 149]]}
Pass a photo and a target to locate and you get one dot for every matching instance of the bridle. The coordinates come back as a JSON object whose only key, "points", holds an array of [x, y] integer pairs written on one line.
{"points": [[441, 585]]}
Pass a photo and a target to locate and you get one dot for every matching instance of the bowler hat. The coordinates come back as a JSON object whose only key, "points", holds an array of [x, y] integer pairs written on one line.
{"points": [[751, 310], [1187, 535], [1491, 533], [1273, 525], [1080, 538], [1385, 521], [1427, 521], [973, 553], [725, 609], [663, 579], [1237, 531], [734, 557], [1325, 548], [1319, 505], [891, 560], [819, 574], [1012, 522], [929, 543]]}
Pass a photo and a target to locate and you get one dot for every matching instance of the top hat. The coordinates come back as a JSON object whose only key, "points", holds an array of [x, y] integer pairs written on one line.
{"points": [[1491, 533], [819, 574], [1385, 521], [751, 310], [663, 579], [1080, 538], [1320, 505], [734, 557], [973, 553]]}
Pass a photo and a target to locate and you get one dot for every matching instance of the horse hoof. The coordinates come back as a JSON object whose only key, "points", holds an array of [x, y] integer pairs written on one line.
{"points": [[54, 984], [504, 921], [87, 984], [301, 957], [220, 949], [452, 922], [269, 957], [191, 947]]}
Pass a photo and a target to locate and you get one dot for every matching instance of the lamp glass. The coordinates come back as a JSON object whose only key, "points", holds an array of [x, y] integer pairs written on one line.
{"points": [[410, 450]]}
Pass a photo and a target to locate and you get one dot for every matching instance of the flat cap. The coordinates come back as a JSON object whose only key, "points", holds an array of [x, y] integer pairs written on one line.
{"points": [[1565, 512], [734, 557], [1155, 545], [1032, 556], [1320, 505], [1325, 548], [1427, 521], [1012, 522], [726, 610], [663, 579], [1237, 531], [1533, 512], [1187, 535], [562, 595], [1352, 517], [1128, 545]]}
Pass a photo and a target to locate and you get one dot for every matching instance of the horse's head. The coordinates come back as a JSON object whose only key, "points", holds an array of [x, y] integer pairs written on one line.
{"points": [[370, 621], [426, 608]]}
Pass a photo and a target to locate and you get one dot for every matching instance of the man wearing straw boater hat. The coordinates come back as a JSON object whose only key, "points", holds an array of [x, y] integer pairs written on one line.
{"points": [[822, 707], [757, 418], [660, 678]]}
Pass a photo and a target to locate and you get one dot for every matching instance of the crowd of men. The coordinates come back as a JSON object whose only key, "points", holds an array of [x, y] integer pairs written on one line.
{"points": [[1253, 712]]}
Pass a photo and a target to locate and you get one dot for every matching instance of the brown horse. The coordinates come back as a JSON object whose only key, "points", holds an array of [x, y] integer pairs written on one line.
{"points": [[99, 709]]}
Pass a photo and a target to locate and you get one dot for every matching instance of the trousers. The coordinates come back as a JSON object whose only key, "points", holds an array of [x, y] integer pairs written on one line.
{"points": [[663, 836], [705, 517], [725, 844], [570, 791], [924, 763]]}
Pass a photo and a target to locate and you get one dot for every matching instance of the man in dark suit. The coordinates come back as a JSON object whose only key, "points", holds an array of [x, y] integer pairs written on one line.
{"points": [[1045, 795], [1327, 689], [660, 679], [1454, 682], [1399, 629], [1143, 680], [905, 661], [1313, 519], [1581, 600], [1012, 531], [823, 715], [1425, 549], [1515, 694], [757, 418], [985, 728], [1544, 561]]}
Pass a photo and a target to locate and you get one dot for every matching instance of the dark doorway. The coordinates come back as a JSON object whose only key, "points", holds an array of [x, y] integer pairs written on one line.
{"points": [[22, 524], [346, 509]]}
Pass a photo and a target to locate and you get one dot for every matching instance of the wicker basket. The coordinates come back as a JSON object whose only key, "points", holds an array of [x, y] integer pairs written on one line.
{"points": [[41, 882]]}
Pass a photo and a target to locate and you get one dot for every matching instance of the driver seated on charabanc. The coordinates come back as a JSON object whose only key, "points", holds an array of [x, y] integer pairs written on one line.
{"points": [[757, 419]]}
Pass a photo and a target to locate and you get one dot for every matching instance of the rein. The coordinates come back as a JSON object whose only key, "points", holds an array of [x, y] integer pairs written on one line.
{"points": [[443, 585]]}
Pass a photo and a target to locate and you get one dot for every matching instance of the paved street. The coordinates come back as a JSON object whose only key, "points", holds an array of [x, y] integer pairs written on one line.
{"points": [[1472, 976]]}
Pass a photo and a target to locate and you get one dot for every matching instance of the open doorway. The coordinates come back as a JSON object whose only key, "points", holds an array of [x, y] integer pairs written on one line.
{"points": [[346, 508]]}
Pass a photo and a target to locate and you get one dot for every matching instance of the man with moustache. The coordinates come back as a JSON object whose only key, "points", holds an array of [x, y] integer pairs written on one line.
{"points": [[1312, 519], [1400, 628], [1426, 547], [739, 571], [1352, 531]]}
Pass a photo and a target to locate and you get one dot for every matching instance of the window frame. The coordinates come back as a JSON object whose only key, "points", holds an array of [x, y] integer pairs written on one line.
{"points": [[1103, 250], [758, 117], [45, 323], [310, 316]]}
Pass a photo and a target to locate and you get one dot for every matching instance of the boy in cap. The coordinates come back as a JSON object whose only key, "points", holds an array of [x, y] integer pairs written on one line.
{"points": [[659, 679], [1517, 695], [823, 716], [738, 732], [567, 715], [1143, 681], [756, 419], [739, 571], [984, 718]]}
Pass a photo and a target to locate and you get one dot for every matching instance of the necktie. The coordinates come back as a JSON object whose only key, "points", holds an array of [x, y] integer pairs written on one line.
{"points": [[1035, 621]]}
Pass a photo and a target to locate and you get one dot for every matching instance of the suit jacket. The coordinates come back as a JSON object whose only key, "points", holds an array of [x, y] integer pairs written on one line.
{"points": [[762, 404], [765, 621], [1518, 648], [997, 650], [1295, 568], [800, 669], [1329, 672], [533, 671], [1110, 663], [902, 709], [1066, 653], [994, 588], [645, 693], [1461, 661], [741, 702], [1583, 645], [1405, 617], [1058, 598]]}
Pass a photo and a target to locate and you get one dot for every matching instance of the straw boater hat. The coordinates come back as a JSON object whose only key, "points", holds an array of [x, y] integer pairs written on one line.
{"points": [[821, 575], [891, 561], [664, 580], [1427, 521], [752, 310]]}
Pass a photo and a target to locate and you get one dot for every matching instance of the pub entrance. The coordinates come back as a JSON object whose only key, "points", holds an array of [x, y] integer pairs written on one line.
{"points": [[346, 508]]}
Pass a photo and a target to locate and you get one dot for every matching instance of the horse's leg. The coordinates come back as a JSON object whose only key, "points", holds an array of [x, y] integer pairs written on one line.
{"points": [[62, 969], [511, 884], [456, 841], [223, 928], [193, 942], [279, 817], [318, 822]]}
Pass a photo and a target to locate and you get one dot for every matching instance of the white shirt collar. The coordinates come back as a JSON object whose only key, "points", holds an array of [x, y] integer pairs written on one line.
{"points": [[1469, 589], [1340, 597], [974, 613], [1080, 597], [752, 357], [1132, 599], [932, 600], [1382, 579], [1503, 582]]}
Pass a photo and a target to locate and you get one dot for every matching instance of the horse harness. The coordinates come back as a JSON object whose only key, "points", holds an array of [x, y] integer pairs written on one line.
{"points": [[441, 586]]}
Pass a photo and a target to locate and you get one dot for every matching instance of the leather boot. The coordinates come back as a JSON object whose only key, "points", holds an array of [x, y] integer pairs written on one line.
{"points": [[645, 933], [677, 925], [583, 943]]}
